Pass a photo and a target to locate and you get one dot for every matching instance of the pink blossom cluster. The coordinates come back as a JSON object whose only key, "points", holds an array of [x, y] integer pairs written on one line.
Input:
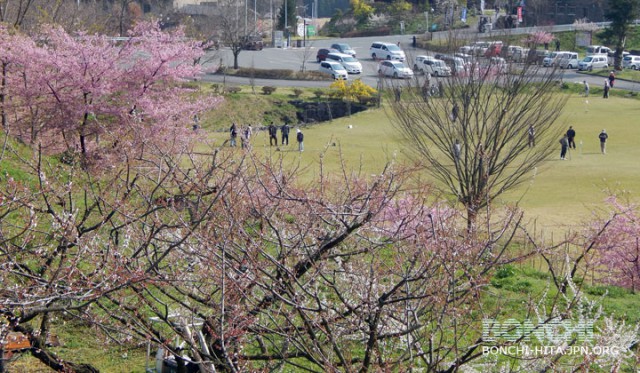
{"points": [[87, 92]]}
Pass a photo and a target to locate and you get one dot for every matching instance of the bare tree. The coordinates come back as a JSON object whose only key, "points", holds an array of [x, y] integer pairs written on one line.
{"points": [[305, 54], [474, 139], [231, 22]]}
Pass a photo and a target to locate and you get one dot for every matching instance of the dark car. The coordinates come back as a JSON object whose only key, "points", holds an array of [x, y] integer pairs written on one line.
{"points": [[344, 48], [323, 52], [536, 56], [252, 43]]}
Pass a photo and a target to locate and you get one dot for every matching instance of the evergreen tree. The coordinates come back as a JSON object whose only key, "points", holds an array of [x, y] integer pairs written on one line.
{"points": [[287, 10]]}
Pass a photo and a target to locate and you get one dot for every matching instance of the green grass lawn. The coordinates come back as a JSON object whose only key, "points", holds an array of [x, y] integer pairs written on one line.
{"points": [[560, 192]]}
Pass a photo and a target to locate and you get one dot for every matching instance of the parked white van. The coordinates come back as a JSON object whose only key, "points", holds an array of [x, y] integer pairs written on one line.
{"points": [[631, 62], [569, 61], [593, 50], [593, 62], [386, 51], [427, 64], [553, 58]]}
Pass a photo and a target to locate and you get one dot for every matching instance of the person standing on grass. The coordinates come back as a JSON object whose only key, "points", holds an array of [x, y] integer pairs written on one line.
{"points": [[571, 135], [603, 141], [455, 110], [300, 138], [564, 144], [586, 89], [273, 134], [285, 133], [234, 134], [605, 93], [532, 136], [612, 79], [457, 150]]}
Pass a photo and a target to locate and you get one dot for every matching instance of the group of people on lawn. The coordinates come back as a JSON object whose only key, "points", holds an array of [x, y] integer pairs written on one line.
{"points": [[272, 130], [568, 141]]}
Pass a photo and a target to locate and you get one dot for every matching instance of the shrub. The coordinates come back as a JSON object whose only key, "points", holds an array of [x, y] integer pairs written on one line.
{"points": [[267, 90], [215, 87], [233, 89], [505, 271], [282, 74], [368, 100], [380, 31], [297, 92], [611, 291], [318, 93]]}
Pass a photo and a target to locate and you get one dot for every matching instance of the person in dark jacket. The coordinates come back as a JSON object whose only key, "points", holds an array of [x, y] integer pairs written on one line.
{"points": [[273, 134], [612, 79], [571, 135], [454, 112], [234, 134], [300, 138], [531, 133], [603, 141], [564, 144], [285, 133]]}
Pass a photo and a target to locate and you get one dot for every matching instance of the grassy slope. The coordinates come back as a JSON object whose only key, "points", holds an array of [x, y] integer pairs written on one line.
{"points": [[561, 192]]}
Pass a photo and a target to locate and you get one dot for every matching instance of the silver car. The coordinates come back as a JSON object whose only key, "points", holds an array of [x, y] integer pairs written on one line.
{"points": [[395, 69]]}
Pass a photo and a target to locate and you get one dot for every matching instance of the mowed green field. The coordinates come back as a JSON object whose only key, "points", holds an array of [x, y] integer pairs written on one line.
{"points": [[559, 193]]}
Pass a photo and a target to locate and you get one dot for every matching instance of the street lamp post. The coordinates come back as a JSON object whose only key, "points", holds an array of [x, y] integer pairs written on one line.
{"points": [[304, 32], [426, 15]]}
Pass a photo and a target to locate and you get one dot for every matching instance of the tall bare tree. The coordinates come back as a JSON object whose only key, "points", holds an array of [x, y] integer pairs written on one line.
{"points": [[474, 139], [233, 26]]}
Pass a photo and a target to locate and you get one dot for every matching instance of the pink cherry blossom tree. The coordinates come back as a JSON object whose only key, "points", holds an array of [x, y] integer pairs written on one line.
{"points": [[90, 93], [537, 38], [617, 245]]}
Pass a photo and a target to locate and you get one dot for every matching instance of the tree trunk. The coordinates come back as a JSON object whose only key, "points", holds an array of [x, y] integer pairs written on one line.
{"points": [[3, 114], [235, 58], [2, 367], [472, 216]]}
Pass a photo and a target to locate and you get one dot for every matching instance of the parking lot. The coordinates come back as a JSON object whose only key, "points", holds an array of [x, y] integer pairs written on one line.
{"points": [[295, 58]]}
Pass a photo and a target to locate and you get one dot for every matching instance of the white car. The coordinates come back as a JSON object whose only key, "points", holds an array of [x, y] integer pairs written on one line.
{"points": [[594, 62], [479, 48], [499, 64], [465, 49], [336, 70], [593, 50], [431, 65], [352, 65], [395, 69], [553, 58], [386, 51], [631, 62], [569, 61]]}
